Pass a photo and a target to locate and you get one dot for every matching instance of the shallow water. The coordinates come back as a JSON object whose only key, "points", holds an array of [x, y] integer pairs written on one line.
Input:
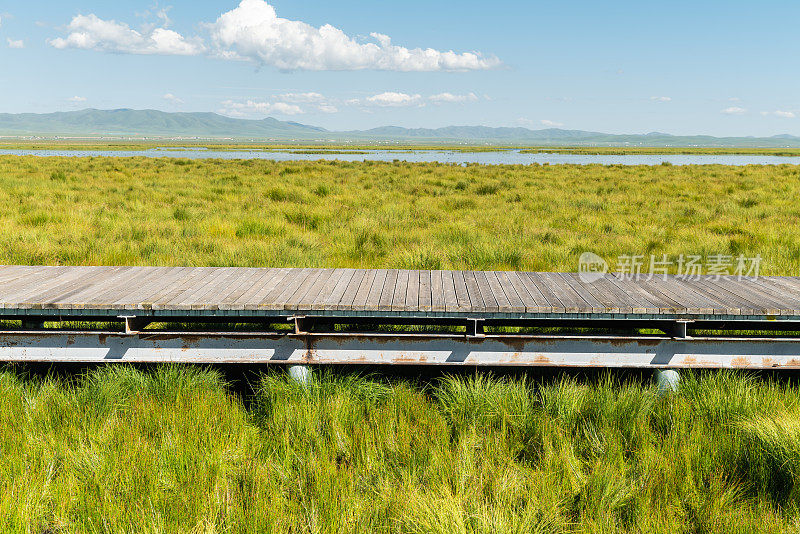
{"points": [[504, 157]]}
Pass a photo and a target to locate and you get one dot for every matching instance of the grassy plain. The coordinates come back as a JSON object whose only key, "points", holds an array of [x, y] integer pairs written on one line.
{"points": [[178, 450], [120, 211]]}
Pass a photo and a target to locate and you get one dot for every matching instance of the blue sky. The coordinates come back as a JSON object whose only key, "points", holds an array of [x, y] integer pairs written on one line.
{"points": [[712, 67]]}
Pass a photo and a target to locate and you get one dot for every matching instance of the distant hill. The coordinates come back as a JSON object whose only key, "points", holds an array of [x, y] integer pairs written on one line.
{"points": [[135, 123]]}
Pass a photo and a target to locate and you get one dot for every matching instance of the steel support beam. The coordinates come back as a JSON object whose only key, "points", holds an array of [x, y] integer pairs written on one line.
{"points": [[424, 349]]}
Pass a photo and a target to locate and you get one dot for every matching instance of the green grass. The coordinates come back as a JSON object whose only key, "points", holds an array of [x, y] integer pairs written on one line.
{"points": [[175, 449], [402, 215]]}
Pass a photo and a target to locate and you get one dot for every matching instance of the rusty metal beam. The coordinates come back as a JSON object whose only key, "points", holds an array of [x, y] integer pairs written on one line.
{"points": [[427, 349]]}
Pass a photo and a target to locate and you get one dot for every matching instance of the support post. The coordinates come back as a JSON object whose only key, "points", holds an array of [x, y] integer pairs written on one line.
{"points": [[475, 328], [300, 374], [680, 329], [133, 324], [667, 380]]}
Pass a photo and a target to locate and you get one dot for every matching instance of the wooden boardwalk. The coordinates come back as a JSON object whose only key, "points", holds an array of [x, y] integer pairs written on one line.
{"points": [[156, 291]]}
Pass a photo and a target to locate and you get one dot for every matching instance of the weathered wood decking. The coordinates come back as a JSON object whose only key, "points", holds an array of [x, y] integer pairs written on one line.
{"points": [[105, 291]]}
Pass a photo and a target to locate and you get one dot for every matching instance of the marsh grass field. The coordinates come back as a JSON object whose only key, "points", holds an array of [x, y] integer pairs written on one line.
{"points": [[180, 449], [144, 211]]}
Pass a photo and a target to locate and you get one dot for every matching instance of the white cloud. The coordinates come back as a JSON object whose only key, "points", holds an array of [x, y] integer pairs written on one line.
{"points": [[448, 98], [780, 113], [169, 97], [254, 108], [301, 98], [15, 44], [254, 31], [88, 32], [661, 98], [551, 124], [734, 110], [77, 99], [327, 108], [391, 99]]}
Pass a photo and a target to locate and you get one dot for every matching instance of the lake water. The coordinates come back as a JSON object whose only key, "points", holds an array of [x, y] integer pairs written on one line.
{"points": [[504, 157]]}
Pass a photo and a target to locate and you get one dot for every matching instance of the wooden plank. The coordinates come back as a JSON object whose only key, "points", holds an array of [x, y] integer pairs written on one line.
{"points": [[780, 299], [692, 301], [527, 301], [214, 285], [376, 291], [95, 292], [311, 296], [438, 293], [732, 304], [412, 292], [124, 297], [362, 295], [158, 285], [573, 286], [335, 298], [498, 292], [451, 301], [535, 283], [351, 291], [32, 283], [608, 302], [249, 279], [640, 301], [426, 291], [279, 299], [759, 299], [515, 302], [400, 291], [385, 300], [91, 279], [477, 305], [47, 290], [293, 301], [270, 300], [169, 299], [251, 300]]}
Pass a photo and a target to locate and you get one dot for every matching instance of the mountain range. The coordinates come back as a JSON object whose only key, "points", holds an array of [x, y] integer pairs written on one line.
{"points": [[153, 123]]}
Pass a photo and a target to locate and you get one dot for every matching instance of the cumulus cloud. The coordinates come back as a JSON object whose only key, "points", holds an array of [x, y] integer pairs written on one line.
{"points": [[661, 98], [448, 98], [15, 44], [780, 113], [254, 31], [551, 124], [89, 32], [252, 108], [76, 99], [734, 110]]}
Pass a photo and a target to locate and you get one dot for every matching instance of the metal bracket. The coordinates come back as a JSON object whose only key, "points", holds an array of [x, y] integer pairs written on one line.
{"points": [[133, 324], [680, 329], [302, 324], [475, 328]]}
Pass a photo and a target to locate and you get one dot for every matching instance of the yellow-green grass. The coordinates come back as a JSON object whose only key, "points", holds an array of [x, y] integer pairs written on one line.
{"points": [[176, 450], [113, 211]]}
